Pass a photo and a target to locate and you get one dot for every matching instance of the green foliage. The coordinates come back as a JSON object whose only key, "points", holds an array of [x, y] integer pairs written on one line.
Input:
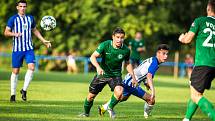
{"points": [[82, 24]]}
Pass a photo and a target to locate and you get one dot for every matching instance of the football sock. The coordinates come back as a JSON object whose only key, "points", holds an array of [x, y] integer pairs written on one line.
{"points": [[87, 106], [113, 102], [191, 109], [13, 83], [105, 106], [28, 78], [148, 108], [207, 108]]}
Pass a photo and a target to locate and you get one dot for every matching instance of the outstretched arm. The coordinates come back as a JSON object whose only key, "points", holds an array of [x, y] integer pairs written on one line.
{"points": [[187, 37], [40, 37]]}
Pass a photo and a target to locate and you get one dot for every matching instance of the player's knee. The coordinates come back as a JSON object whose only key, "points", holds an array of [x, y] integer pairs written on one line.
{"points": [[91, 97], [118, 92]]}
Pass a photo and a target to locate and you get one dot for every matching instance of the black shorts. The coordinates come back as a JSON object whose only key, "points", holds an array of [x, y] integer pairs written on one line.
{"points": [[201, 77], [98, 84]]}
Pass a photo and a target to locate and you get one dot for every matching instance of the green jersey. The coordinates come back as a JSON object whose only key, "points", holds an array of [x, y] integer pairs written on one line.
{"points": [[134, 45], [204, 29], [112, 58]]}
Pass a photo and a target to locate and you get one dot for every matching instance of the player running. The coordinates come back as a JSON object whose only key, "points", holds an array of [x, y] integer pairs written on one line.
{"points": [[143, 73]]}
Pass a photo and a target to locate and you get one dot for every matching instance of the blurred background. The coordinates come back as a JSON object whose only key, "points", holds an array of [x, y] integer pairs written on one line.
{"points": [[83, 24]]}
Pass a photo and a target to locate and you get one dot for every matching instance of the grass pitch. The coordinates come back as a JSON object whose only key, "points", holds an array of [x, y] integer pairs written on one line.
{"points": [[59, 97]]}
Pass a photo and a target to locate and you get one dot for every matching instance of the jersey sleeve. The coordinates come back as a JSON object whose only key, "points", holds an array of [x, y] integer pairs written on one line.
{"points": [[127, 57], [33, 24], [10, 22], [100, 48], [153, 67], [194, 26]]}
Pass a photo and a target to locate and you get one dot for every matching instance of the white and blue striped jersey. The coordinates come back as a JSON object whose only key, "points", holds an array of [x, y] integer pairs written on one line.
{"points": [[149, 65], [23, 25]]}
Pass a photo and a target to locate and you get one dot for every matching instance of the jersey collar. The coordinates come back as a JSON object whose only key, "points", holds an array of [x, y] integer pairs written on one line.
{"points": [[213, 17], [114, 47]]}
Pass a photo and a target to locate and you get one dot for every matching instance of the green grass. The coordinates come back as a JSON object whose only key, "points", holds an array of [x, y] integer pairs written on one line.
{"points": [[59, 97]]}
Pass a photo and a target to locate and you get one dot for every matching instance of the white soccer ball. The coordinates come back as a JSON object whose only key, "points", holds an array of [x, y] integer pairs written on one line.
{"points": [[48, 23]]}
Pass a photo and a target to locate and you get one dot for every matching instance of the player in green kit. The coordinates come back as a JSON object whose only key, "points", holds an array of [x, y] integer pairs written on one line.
{"points": [[137, 46], [113, 53], [203, 31]]}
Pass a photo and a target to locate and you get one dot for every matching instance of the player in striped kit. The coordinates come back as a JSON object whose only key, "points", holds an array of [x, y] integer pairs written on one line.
{"points": [[20, 27], [143, 73]]}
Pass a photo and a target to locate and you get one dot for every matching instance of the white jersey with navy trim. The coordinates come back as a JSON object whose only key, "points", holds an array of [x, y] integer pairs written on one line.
{"points": [[149, 65], [23, 25]]}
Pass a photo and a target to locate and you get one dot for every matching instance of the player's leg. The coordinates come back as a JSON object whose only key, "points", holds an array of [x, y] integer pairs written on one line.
{"points": [[103, 108], [200, 80], [95, 87], [30, 60], [139, 92], [17, 60], [116, 84]]}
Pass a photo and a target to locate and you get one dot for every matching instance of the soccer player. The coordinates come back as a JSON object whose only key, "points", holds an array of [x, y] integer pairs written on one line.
{"points": [[143, 73], [203, 31], [113, 53], [19, 27], [137, 47]]}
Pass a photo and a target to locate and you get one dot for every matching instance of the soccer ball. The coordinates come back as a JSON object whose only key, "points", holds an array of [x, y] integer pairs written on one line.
{"points": [[48, 23]]}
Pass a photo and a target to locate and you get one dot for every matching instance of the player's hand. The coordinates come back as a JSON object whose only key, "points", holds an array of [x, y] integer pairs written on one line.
{"points": [[134, 83], [181, 37], [100, 71], [152, 98], [17, 34], [47, 43]]}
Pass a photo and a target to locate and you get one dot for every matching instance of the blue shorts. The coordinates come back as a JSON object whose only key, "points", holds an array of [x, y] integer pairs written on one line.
{"points": [[18, 57], [128, 90]]}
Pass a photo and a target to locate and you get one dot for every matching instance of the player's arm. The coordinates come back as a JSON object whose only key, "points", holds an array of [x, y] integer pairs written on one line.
{"points": [[151, 84], [8, 33], [40, 37], [131, 72], [187, 37], [93, 59]]}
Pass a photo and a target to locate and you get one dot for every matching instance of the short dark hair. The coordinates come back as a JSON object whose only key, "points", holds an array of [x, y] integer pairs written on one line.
{"points": [[163, 47], [118, 30], [21, 1], [212, 4]]}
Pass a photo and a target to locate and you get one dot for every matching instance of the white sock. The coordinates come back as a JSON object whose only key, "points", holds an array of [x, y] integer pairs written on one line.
{"points": [[28, 78], [13, 83], [148, 108], [105, 106]]}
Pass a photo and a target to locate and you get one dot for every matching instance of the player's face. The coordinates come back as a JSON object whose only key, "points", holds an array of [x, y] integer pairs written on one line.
{"points": [[21, 8], [138, 36], [162, 55], [118, 39]]}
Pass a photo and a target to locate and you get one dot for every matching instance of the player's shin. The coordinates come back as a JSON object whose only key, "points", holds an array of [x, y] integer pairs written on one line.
{"points": [[28, 78], [13, 80], [207, 108], [87, 106], [191, 109], [113, 102]]}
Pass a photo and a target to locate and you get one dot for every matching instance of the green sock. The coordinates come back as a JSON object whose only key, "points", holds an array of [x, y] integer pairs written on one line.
{"points": [[191, 109], [113, 102], [87, 106], [207, 108]]}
